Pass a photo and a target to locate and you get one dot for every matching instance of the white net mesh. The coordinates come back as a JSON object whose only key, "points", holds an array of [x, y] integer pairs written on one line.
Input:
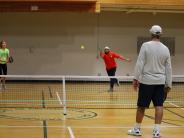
{"points": [[79, 92]]}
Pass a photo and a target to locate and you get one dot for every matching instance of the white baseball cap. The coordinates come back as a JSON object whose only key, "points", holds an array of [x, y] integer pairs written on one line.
{"points": [[156, 30], [106, 48]]}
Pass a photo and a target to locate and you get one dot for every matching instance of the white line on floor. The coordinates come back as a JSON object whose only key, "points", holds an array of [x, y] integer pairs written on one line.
{"points": [[71, 132], [59, 99], [176, 105]]}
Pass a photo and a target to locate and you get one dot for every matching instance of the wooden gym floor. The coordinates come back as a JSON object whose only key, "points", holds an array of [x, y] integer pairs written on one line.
{"points": [[43, 117]]}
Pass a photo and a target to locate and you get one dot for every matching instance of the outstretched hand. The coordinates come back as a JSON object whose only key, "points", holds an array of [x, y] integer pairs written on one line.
{"points": [[128, 59]]}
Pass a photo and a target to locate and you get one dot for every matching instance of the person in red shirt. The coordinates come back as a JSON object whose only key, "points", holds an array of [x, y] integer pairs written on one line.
{"points": [[110, 63]]}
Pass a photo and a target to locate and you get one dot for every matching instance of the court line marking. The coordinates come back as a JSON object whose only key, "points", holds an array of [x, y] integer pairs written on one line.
{"points": [[71, 132], [50, 92], [176, 106], [44, 129], [59, 99], [44, 121], [102, 127]]}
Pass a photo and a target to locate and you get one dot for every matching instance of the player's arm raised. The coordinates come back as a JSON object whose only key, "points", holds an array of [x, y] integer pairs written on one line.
{"points": [[122, 58], [125, 59]]}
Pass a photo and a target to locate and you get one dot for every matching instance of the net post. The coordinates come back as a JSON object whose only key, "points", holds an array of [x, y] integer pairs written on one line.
{"points": [[64, 97]]}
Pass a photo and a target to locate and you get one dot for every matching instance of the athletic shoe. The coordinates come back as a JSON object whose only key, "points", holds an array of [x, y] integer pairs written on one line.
{"points": [[118, 84], [134, 132], [110, 90], [3, 87], [156, 133]]}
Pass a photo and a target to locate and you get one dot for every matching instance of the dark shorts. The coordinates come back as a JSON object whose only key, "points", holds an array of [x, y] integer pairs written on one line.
{"points": [[3, 69], [111, 72], [148, 93]]}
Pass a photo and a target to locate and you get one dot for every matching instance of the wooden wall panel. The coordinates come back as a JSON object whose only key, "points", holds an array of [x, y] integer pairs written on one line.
{"points": [[91, 5], [47, 5], [73, 1], [144, 2], [143, 5]]}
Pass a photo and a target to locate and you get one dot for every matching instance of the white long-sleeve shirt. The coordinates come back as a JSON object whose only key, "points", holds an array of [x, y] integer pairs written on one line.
{"points": [[154, 64]]}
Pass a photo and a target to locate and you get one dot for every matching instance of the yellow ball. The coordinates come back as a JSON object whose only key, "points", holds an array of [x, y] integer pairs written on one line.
{"points": [[82, 47]]}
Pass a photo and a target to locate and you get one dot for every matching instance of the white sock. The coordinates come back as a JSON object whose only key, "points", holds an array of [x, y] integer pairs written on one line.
{"points": [[137, 125], [157, 127]]}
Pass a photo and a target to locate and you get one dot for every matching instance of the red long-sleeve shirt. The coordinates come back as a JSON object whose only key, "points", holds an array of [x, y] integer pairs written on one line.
{"points": [[109, 59]]}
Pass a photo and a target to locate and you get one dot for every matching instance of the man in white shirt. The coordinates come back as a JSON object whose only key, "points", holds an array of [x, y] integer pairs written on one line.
{"points": [[153, 77]]}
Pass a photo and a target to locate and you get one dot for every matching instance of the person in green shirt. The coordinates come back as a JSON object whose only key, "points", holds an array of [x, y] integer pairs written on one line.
{"points": [[4, 59]]}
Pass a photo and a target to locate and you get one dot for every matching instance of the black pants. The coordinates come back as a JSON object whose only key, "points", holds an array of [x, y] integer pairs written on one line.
{"points": [[112, 72], [3, 69]]}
